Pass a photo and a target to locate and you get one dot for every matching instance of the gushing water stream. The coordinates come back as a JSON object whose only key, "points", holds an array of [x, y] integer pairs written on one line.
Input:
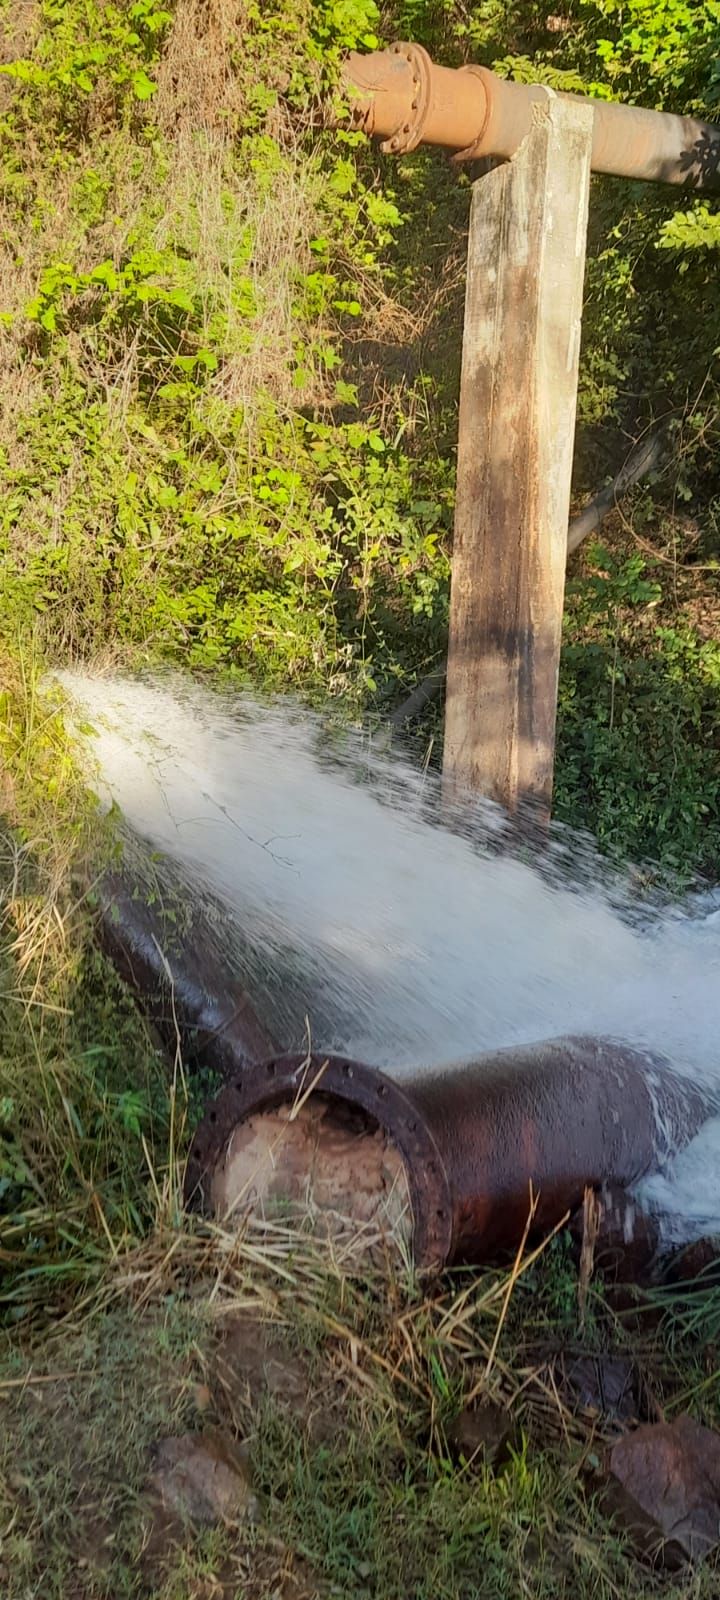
{"points": [[402, 941]]}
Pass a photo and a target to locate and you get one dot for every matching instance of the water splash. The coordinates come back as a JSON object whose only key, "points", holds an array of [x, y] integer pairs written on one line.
{"points": [[403, 941]]}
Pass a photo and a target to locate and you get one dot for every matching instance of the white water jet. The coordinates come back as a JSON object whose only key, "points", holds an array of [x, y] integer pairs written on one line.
{"points": [[418, 943]]}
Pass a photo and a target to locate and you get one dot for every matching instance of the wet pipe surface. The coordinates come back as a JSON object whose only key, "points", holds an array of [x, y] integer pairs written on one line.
{"points": [[478, 1138]]}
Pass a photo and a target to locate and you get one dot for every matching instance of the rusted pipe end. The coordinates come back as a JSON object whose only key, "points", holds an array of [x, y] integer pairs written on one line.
{"points": [[403, 98], [476, 1146], [342, 1085], [388, 92], [417, 67]]}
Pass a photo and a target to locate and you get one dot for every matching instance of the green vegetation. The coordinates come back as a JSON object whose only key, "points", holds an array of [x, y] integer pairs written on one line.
{"points": [[230, 348], [347, 1435], [229, 353]]}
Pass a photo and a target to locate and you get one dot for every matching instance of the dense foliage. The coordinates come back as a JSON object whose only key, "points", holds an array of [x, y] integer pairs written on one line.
{"points": [[230, 348]]}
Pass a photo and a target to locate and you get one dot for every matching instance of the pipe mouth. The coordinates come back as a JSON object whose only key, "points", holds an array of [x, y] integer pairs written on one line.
{"points": [[331, 1136]]}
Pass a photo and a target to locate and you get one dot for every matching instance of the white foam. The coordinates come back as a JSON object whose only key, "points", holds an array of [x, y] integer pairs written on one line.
{"points": [[423, 947]]}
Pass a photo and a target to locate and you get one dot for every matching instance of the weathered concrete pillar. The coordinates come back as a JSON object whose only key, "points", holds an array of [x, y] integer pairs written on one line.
{"points": [[526, 259]]}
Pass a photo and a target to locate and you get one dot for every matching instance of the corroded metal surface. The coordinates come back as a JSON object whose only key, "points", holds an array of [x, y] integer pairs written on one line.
{"points": [[477, 1139], [403, 98], [563, 1116], [483, 1139], [181, 990]]}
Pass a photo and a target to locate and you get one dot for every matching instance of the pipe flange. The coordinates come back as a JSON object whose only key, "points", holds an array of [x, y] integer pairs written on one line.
{"points": [[408, 134], [474, 152], [263, 1086]]}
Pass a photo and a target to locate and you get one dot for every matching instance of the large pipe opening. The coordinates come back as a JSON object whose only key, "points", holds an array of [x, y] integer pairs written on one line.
{"points": [[325, 1161], [449, 1162], [459, 1162]]}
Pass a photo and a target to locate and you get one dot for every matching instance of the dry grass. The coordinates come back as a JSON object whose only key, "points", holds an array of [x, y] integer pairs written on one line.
{"points": [[19, 27], [346, 1431], [249, 238], [199, 85], [73, 1181]]}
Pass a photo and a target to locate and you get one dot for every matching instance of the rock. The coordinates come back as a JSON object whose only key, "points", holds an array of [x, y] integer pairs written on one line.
{"points": [[605, 1384], [481, 1436], [697, 1263], [203, 1480], [664, 1484]]}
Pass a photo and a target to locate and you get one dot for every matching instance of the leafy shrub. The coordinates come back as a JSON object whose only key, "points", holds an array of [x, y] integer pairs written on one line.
{"points": [[229, 357]]}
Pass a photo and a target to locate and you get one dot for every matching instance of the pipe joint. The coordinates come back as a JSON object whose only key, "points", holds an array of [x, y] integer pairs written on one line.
{"points": [[404, 98], [478, 147], [409, 132]]}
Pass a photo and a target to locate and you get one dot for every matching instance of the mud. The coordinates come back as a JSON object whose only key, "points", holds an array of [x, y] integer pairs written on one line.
{"points": [[323, 1160]]}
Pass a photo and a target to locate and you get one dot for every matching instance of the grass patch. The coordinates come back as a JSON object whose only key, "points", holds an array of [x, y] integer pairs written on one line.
{"points": [[84, 1094], [369, 1503]]}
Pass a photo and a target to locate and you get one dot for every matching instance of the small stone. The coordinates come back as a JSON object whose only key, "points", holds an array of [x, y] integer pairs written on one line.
{"points": [[664, 1485], [201, 1396], [481, 1436], [605, 1384], [202, 1480]]}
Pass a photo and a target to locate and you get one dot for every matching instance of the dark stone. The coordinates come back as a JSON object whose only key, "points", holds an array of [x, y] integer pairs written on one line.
{"points": [[202, 1480], [481, 1436], [664, 1486], [605, 1384]]}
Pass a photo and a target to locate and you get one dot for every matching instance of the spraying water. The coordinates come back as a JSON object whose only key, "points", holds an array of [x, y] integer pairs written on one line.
{"points": [[401, 941]]}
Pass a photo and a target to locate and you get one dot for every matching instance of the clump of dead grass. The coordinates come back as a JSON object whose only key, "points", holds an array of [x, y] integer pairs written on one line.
{"points": [[199, 81], [249, 236], [344, 1419], [84, 1106]]}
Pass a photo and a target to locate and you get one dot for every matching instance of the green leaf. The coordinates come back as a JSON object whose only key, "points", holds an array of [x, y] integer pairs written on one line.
{"points": [[106, 274], [142, 86]]}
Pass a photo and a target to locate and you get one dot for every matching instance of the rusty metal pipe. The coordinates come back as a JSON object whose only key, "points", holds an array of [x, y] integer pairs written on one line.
{"points": [[182, 992], [405, 99], [480, 1139], [475, 1138], [561, 1116]]}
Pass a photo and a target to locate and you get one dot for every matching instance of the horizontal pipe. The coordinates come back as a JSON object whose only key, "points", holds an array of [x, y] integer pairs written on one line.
{"points": [[180, 989], [405, 99], [563, 1116], [476, 1139]]}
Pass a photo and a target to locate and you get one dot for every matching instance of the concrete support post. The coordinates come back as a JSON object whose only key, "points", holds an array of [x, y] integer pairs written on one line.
{"points": [[523, 308]]}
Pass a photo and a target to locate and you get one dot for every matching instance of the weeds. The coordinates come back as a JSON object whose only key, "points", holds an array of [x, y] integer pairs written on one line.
{"points": [[229, 348], [359, 1492], [84, 1103], [228, 378]]}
